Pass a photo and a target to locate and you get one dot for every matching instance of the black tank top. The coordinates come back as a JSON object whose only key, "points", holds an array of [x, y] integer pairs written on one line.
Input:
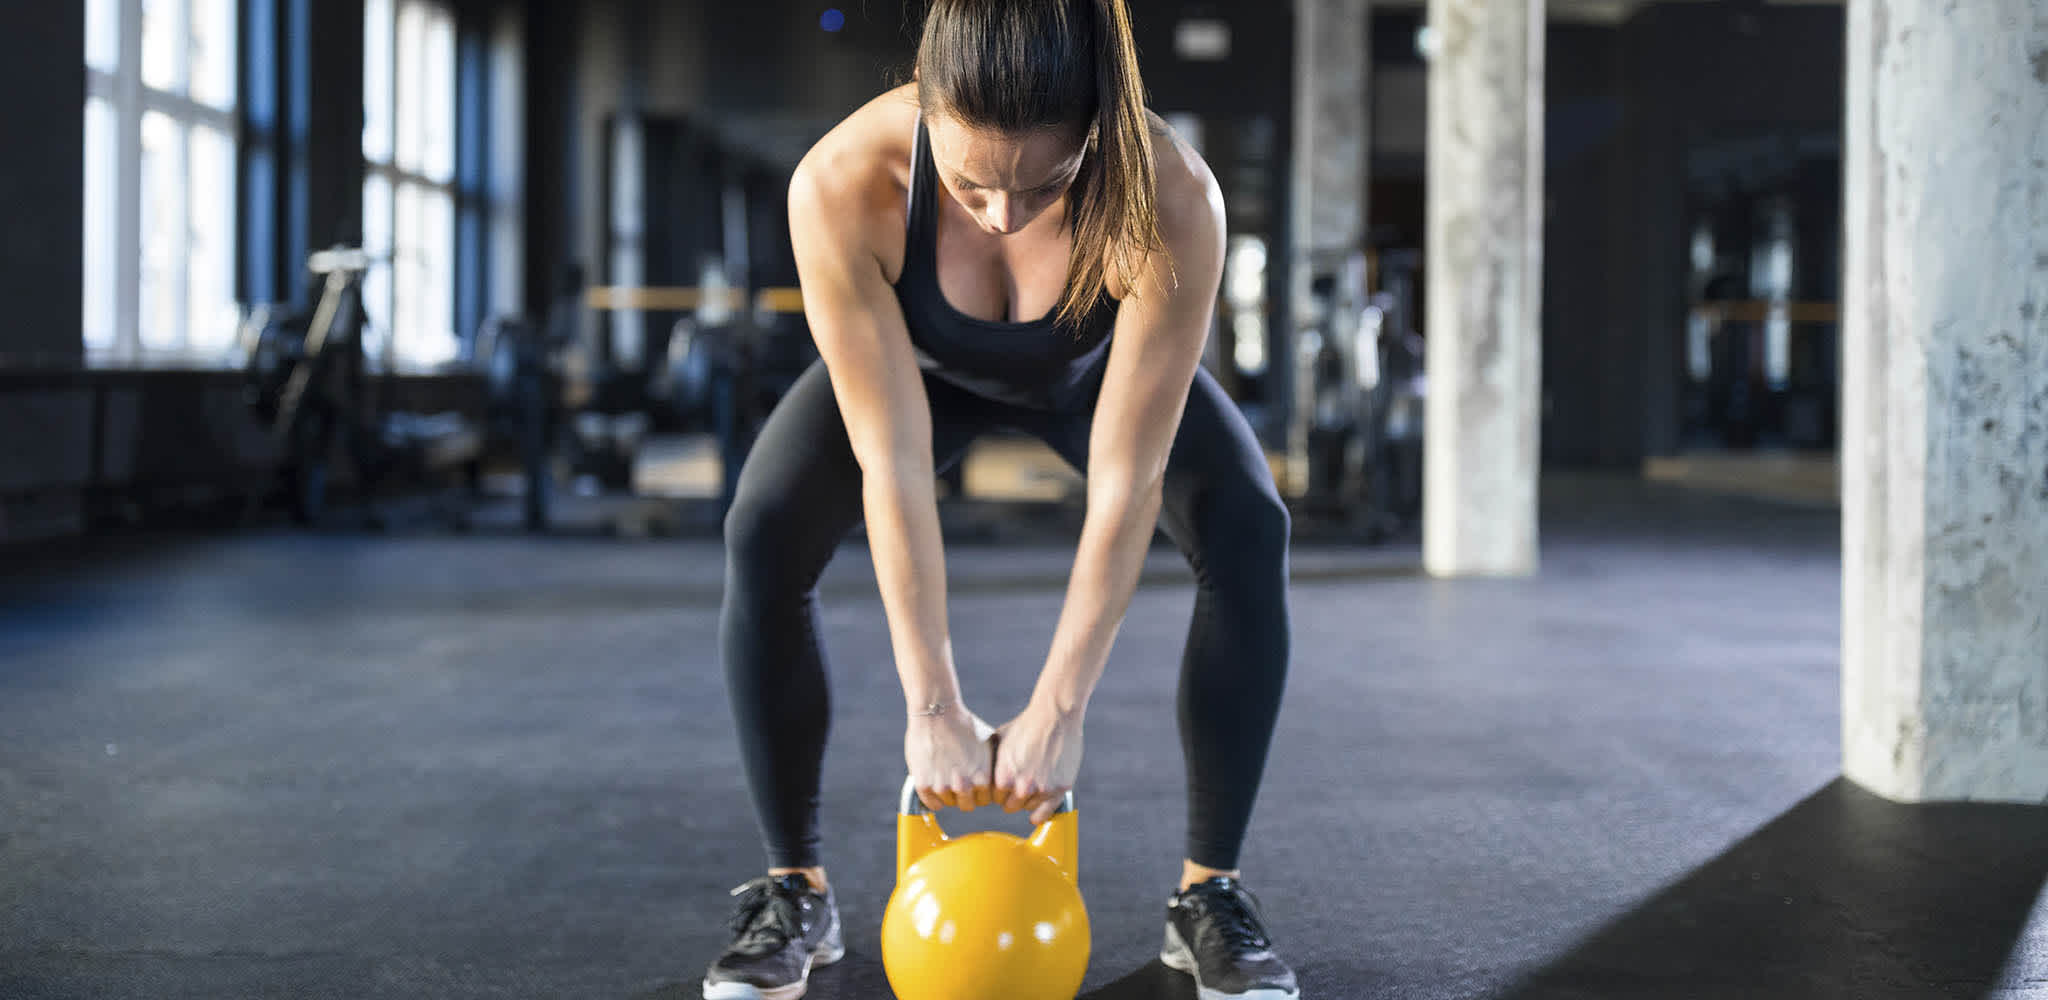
{"points": [[1039, 364]]}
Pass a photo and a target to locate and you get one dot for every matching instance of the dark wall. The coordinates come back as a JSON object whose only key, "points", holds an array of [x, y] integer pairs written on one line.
{"points": [[333, 50], [1591, 381], [1256, 79], [42, 188], [1627, 105], [774, 58], [42, 207], [552, 31]]}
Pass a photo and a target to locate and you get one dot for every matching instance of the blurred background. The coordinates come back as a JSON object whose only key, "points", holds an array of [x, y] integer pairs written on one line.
{"points": [[578, 209]]}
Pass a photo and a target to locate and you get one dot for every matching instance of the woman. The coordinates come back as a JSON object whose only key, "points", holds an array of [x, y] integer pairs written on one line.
{"points": [[1011, 240]]}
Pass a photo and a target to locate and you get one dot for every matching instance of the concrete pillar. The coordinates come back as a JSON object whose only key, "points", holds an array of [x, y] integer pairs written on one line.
{"points": [[1332, 129], [1484, 269], [1945, 400]]}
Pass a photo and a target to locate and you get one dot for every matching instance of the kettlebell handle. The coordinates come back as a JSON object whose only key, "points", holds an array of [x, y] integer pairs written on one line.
{"points": [[911, 805]]}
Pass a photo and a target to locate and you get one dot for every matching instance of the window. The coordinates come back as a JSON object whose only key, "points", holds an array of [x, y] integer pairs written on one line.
{"points": [[409, 190], [160, 152]]}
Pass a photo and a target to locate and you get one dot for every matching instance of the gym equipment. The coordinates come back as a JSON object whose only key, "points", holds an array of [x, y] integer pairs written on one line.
{"points": [[304, 376], [1355, 442], [308, 379], [518, 362], [1393, 440], [726, 369], [985, 916], [1397, 400]]}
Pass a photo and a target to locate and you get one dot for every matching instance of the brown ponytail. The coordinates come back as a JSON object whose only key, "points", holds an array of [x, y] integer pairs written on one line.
{"points": [[1016, 66]]}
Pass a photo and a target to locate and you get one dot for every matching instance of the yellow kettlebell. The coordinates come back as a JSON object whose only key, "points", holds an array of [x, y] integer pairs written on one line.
{"points": [[985, 916]]}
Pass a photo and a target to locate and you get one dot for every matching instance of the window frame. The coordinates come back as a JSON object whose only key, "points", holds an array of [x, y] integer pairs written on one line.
{"points": [[383, 337], [130, 100]]}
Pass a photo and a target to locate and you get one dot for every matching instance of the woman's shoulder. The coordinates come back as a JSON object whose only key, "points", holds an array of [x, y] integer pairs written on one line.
{"points": [[865, 159], [1185, 191], [1187, 203]]}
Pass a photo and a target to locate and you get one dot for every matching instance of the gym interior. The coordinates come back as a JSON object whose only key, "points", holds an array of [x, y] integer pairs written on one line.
{"points": [[1658, 390]]}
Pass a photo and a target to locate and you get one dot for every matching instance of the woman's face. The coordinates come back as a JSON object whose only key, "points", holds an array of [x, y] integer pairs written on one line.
{"points": [[1004, 181]]}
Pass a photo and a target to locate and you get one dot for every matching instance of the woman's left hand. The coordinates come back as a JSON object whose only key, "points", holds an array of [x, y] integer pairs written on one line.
{"points": [[1038, 756]]}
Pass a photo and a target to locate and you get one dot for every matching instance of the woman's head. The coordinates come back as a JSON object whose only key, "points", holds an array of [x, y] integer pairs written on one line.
{"points": [[1028, 102], [1004, 180]]}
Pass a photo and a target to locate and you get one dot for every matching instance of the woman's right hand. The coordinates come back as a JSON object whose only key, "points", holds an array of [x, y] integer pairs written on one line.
{"points": [[951, 759]]}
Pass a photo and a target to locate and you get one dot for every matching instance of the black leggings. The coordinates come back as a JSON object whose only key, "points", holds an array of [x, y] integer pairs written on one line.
{"points": [[799, 495]]}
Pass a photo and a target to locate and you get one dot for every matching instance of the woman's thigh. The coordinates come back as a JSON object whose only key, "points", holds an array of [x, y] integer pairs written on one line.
{"points": [[800, 489], [1215, 472]]}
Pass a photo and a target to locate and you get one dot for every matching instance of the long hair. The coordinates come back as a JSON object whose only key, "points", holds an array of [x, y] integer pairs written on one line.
{"points": [[1019, 66]]}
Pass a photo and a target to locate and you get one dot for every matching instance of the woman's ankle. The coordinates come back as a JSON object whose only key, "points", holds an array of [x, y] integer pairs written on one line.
{"points": [[1191, 873], [816, 875]]}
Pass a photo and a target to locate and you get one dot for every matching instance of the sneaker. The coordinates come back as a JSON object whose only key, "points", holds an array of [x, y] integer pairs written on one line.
{"points": [[1213, 933], [781, 929]]}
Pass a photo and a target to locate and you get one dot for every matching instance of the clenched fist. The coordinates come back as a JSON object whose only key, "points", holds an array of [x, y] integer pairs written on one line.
{"points": [[950, 760]]}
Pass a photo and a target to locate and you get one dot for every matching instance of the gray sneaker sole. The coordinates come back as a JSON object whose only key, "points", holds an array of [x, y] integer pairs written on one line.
{"points": [[1176, 956], [830, 950]]}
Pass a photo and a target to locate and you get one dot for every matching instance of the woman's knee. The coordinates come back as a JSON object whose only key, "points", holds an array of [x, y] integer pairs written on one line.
{"points": [[1255, 520], [1242, 537], [776, 543], [746, 523]]}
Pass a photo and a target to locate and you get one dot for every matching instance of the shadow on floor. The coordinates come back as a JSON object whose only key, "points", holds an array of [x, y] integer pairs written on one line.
{"points": [[1845, 895], [860, 977], [1151, 981]]}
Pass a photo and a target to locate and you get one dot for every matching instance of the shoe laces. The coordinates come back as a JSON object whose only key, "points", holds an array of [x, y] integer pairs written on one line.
{"points": [[765, 918], [1231, 917]]}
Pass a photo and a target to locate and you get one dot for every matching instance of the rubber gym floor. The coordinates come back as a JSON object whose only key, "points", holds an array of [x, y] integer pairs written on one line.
{"points": [[423, 765]]}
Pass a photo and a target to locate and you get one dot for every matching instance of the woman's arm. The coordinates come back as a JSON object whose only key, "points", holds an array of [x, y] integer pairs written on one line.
{"points": [[861, 336], [1161, 327]]}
